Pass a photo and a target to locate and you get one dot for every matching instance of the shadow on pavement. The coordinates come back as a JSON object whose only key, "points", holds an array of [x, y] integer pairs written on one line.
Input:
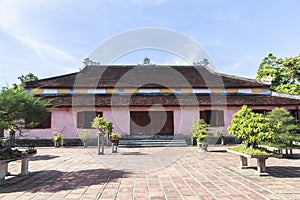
{"points": [[133, 153], [54, 181], [283, 171], [44, 157]]}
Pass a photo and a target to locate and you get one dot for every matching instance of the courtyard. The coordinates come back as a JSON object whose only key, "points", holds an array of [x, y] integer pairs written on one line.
{"points": [[150, 173]]}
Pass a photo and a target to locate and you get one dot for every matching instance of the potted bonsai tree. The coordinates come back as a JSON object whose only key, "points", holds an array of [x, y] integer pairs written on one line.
{"points": [[103, 128], [84, 136], [200, 132], [254, 129], [220, 134], [58, 139], [114, 137]]}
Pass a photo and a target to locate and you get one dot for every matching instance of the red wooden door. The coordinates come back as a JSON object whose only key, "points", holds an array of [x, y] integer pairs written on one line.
{"points": [[151, 123]]}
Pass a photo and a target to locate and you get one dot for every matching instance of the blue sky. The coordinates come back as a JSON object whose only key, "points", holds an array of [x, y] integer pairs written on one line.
{"points": [[53, 37]]}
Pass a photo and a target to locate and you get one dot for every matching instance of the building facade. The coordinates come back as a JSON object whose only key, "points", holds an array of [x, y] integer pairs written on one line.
{"points": [[149, 99]]}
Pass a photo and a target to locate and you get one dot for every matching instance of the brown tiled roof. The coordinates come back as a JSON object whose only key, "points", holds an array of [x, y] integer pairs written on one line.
{"points": [[146, 76], [168, 100]]}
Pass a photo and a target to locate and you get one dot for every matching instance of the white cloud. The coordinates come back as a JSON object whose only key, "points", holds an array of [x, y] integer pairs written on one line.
{"points": [[234, 66], [45, 51], [13, 15]]}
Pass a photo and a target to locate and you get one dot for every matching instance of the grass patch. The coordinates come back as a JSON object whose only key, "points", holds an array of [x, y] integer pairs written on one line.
{"points": [[252, 151], [281, 145]]}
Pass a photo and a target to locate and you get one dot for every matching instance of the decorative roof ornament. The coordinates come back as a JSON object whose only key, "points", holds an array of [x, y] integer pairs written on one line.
{"points": [[146, 61], [202, 63], [89, 62]]}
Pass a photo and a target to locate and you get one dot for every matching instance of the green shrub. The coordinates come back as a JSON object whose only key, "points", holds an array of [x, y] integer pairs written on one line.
{"points": [[200, 130]]}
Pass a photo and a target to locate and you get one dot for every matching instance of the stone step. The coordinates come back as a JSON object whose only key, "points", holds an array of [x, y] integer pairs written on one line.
{"points": [[152, 143]]}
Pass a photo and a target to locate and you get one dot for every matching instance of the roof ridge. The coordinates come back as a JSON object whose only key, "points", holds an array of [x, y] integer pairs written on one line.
{"points": [[54, 77], [285, 95], [242, 78]]}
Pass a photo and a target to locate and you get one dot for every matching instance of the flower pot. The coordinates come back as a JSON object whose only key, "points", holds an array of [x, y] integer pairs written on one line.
{"points": [[114, 141], [222, 140], [202, 146]]}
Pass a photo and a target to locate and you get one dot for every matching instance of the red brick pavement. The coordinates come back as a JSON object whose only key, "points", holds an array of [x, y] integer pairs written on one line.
{"points": [[149, 173]]}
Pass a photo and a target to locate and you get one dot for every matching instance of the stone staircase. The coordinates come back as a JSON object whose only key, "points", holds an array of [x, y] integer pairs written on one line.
{"points": [[152, 141]]}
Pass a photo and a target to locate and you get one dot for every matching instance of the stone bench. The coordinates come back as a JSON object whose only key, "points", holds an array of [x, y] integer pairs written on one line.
{"points": [[24, 166], [260, 161]]}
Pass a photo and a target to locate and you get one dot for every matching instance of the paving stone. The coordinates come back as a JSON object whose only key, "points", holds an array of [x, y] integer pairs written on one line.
{"points": [[149, 173]]}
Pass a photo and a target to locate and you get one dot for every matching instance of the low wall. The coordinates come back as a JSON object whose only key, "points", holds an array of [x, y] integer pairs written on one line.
{"points": [[48, 142]]}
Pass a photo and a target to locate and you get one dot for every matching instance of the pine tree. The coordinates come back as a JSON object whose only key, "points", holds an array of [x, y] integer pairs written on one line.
{"points": [[254, 128], [285, 127], [20, 110]]}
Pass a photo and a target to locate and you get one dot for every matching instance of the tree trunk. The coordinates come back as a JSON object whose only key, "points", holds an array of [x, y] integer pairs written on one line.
{"points": [[1, 132], [12, 137]]}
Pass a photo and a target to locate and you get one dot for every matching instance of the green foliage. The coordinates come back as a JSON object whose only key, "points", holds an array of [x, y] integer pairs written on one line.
{"points": [[84, 135], [109, 127], [254, 128], [251, 151], [290, 88], [58, 137], [199, 130], [20, 109], [115, 136], [285, 73], [28, 77], [219, 133], [284, 125], [102, 125]]}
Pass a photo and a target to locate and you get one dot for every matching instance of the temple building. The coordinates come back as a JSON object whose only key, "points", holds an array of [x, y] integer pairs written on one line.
{"points": [[147, 99]]}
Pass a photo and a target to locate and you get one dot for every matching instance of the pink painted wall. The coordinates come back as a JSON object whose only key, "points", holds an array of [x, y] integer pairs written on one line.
{"points": [[64, 120]]}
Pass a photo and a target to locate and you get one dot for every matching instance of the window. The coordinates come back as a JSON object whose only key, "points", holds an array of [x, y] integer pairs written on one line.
{"points": [[199, 91], [148, 91], [213, 117], [295, 113], [121, 91], [96, 91], [85, 118], [45, 124], [50, 91], [261, 111]]}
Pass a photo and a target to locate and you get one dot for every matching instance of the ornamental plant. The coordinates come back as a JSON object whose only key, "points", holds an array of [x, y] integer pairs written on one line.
{"points": [[115, 136], [285, 127], [19, 111], [199, 130], [58, 138], [84, 136], [102, 125], [252, 127]]}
